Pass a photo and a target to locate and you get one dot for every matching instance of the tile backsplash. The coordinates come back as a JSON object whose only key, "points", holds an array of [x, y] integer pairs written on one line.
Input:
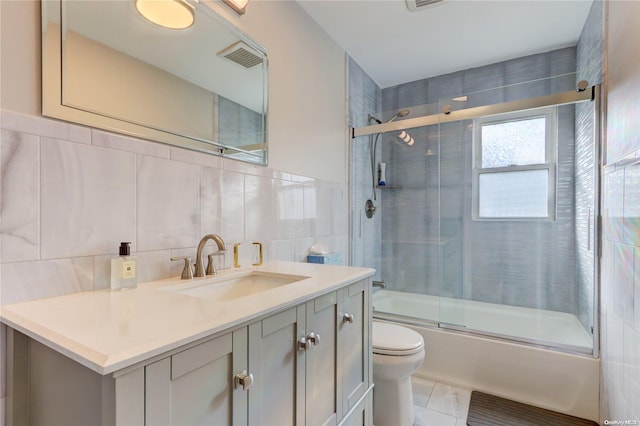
{"points": [[70, 194]]}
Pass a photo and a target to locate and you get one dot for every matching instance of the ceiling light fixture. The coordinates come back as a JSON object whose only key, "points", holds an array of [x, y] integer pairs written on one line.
{"points": [[173, 14], [238, 6]]}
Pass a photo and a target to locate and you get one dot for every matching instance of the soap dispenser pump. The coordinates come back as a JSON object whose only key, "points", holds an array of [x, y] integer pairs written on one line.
{"points": [[123, 269]]}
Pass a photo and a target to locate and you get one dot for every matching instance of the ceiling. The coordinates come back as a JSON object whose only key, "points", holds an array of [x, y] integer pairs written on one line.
{"points": [[395, 45]]}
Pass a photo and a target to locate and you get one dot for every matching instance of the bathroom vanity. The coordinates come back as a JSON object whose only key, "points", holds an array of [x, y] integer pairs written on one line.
{"points": [[285, 343]]}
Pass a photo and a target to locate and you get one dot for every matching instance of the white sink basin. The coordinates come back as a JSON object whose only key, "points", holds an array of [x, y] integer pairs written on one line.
{"points": [[230, 287]]}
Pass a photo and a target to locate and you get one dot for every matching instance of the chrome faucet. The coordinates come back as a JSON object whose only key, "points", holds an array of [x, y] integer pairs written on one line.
{"points": [[380, 284], [211, 269]]}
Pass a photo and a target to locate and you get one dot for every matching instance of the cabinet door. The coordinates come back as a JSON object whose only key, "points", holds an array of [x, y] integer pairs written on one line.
{"points": [[277, 397], [195, 386], [354, 347], [321, 363]]}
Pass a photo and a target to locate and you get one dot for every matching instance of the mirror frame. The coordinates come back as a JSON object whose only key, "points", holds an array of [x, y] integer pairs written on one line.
{"points": [[52, 105]]}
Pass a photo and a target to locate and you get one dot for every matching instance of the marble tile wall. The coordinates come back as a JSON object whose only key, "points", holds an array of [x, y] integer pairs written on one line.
{"points": [[620, 290], [69, 194], [620, 263]]}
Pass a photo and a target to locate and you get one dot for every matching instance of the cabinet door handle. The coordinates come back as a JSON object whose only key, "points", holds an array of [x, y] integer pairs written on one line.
{"points": [[243, 380], [348, 318], [314, 338], [303, 344]]}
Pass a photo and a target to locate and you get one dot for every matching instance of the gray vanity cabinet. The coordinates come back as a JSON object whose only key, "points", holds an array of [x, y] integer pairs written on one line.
{"points": [[192, 387], [354, 344], [253, 375], [322, 376], [305, 365], [293, 358], [311, 365], [277, 396], [338, 373]]}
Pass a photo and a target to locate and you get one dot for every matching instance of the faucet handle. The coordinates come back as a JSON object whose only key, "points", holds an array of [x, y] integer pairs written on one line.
{"points": [[187, 272], [211, 266]]}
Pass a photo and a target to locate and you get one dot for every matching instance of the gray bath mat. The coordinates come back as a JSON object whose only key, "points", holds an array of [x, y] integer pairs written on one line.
{"points": [[489, 410]]}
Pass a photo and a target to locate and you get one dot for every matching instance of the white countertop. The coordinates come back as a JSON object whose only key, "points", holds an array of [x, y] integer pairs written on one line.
{"points": [[109, 330]]}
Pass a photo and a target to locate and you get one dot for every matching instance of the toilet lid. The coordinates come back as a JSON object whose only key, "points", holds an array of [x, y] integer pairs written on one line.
{"points": [[391, 339]]}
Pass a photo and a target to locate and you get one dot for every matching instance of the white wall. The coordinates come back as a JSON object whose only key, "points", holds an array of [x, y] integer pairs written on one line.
{"points": [[20, 84], [620, 286], [307, 106]]}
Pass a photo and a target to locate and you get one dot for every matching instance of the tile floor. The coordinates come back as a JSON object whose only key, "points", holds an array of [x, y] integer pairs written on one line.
{"points": [[438, 404]]}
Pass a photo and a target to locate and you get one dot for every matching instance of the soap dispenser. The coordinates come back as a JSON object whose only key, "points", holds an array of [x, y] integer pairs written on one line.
{"points": [[123, 269]]}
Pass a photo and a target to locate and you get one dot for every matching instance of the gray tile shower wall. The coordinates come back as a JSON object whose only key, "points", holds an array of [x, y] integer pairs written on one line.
{"points": [[70, 194], [508, 75], [590, 67], [364, 99], [238, 125], [429, 242]]}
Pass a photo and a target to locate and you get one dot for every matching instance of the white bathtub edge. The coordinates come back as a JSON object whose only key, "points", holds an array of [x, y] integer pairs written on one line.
{"points": [[548, 379]]}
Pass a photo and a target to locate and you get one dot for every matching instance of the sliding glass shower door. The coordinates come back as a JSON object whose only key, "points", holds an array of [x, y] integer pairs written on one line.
{"points": [[487, 222]]}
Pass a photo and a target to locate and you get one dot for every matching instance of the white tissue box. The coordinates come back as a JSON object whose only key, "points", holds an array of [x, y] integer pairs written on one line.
{"points": [[327, 259]]}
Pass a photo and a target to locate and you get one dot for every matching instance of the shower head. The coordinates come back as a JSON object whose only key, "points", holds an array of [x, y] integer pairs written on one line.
{"points": [[400, 114]]}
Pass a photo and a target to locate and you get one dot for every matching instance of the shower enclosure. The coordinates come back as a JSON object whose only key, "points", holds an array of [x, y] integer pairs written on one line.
{"points": [[487, 222]]}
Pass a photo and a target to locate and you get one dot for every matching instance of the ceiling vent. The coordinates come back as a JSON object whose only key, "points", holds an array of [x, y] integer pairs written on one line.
{"points": [[414, 5], [241, 54]]}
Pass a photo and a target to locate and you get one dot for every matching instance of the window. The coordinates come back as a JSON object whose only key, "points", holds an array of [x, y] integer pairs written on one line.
{"points": [[514, 166]]}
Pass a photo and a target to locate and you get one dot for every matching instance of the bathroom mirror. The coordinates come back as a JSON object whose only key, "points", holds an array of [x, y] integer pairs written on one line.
{"points": [[203, 87]]}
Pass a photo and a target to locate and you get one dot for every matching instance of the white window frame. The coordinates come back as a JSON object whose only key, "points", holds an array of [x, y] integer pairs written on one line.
{"points": [[550, 164]]}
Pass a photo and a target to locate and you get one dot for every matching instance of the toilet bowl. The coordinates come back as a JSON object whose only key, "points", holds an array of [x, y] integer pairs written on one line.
{"points": [[397, 353]]}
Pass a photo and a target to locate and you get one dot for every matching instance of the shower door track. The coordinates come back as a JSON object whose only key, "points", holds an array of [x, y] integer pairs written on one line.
{"points": [[562, 98], [561, 347], [462, 329]]}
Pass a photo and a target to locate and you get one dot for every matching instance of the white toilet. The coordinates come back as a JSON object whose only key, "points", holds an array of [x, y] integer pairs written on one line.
{"points": [[397, 353]]}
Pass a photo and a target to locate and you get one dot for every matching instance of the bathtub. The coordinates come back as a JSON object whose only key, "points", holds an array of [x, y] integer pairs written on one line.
{"points": [[501, 350], [552, 329]]}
